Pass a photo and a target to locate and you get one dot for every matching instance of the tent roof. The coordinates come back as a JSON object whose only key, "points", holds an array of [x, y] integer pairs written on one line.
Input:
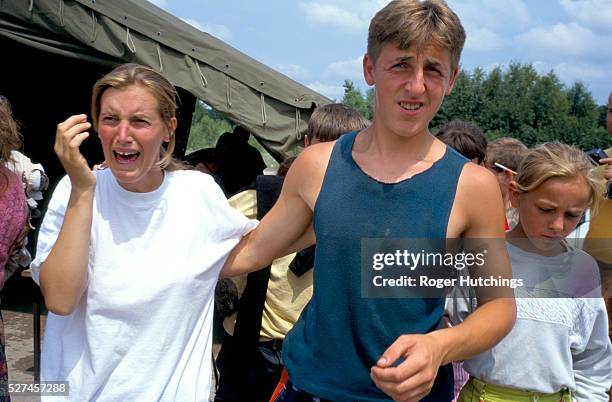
{"points": [[109, 32]]}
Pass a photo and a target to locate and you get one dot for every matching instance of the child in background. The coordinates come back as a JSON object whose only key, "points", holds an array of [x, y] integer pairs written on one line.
{"points": [[504, 155], [466, 138], [559, 348]]}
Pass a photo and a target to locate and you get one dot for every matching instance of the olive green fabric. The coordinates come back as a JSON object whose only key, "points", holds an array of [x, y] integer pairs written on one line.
{"points": [[109, 32]]}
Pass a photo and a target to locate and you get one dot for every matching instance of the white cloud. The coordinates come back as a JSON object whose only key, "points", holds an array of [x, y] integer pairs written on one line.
{"points": [[483, 39], [565, 40], [159, 3], [218, 31], [575, 71], [328, 14], [346, 69], [492, 14], [294, 71], [542, 67], [595, 76], [594, 14], [331, 91]]}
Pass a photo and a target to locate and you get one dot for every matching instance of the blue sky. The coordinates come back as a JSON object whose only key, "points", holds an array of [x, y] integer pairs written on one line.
{"points": [[320, 43]]}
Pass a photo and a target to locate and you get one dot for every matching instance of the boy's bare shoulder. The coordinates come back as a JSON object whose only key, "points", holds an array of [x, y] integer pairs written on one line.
{"points": [[305, 177], [314, 158], [477, 178], [478, 208]]}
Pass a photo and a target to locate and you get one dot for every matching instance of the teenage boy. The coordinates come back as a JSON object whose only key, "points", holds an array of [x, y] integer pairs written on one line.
{"points": [[391, 180]]}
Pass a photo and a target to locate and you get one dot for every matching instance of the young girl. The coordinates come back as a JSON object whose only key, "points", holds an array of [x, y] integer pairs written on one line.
{"points": [[559, 348]]}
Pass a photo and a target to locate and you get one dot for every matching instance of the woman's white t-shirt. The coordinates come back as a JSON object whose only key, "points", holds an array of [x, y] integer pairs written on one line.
{"points": [[142, 330]]}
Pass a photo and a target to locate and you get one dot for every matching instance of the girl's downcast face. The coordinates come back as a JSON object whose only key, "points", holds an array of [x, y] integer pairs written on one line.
{"points": [[551, 212]]}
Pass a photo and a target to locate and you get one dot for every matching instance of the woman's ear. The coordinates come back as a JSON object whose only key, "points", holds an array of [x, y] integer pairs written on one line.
{"points": [[514, 193], [171, 129]]}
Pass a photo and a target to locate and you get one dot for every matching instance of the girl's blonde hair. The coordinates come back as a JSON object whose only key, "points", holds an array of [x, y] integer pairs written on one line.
{"points": [[554, 159], [130, 74]]}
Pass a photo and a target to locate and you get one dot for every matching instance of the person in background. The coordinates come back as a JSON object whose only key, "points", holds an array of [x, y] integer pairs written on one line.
{"points": [[598, 241], [329, 121], [504, 155], [35, 181], [239, 162], [250, 362], [204, 160], [13, 215], [466, 138], [128, 256]]}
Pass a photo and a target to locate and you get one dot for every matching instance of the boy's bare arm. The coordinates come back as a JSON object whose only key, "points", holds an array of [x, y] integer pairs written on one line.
{"points": [[287, 226], [496, 311]]}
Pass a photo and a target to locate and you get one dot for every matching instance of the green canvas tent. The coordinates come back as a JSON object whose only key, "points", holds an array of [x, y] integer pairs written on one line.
{"points": [[54, 50]]}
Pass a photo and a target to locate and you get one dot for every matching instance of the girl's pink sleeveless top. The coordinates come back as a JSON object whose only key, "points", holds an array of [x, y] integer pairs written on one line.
{"points": [[13, 213]]}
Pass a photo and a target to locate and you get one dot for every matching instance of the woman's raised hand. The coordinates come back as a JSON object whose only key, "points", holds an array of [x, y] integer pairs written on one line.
{"points": [[69, 136]]}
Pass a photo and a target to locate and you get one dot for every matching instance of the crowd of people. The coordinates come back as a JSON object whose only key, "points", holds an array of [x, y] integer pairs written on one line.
{"points": [[129, 254]]}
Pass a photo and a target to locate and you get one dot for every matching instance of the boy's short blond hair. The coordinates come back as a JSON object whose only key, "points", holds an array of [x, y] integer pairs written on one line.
{"points": [[420, 23], [507, 151]]}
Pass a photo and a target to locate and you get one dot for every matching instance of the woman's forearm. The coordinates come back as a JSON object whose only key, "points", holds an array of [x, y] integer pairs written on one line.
{"points": [[63, 275]]}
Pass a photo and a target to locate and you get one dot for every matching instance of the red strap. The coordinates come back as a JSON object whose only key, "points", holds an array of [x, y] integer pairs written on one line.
{"points": [[281, 385]]}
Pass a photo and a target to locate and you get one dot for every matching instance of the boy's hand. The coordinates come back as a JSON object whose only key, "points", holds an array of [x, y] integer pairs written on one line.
{"points": [[608, 169], [414, 377]]}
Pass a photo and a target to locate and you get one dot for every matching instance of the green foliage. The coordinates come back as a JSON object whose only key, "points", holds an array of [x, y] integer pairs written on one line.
{"points": [[515, 102], [602, 111], [354, 98], [208, 124]]}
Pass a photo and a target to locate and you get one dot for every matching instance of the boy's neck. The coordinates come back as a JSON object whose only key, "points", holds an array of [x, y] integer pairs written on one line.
{"points": [[390, 158], [377, 141]]}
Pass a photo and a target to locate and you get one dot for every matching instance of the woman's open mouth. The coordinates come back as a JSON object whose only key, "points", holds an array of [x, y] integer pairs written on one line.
{"points": [[126, 157]]}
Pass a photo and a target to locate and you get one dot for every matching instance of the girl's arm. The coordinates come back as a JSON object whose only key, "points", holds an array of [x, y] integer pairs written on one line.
{"points": [[593, 363]]}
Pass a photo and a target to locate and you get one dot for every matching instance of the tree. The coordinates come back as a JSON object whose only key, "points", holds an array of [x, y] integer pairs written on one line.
{"points": [[354, 98], [206, 126]]}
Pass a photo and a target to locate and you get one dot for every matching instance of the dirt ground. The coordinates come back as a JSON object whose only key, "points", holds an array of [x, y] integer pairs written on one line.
{"points": [[17, 305]]}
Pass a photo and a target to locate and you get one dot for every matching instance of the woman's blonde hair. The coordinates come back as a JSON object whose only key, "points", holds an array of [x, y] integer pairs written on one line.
{"points": [[554, 159], [135, 74], [10, 138]]}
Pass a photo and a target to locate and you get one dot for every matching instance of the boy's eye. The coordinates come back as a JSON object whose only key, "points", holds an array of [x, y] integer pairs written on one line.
{"points": [[433, 69], [545, 209], [109, 119]]}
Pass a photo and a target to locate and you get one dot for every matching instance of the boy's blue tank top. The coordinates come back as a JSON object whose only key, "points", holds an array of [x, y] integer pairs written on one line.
{"points": [[340, 335]]}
